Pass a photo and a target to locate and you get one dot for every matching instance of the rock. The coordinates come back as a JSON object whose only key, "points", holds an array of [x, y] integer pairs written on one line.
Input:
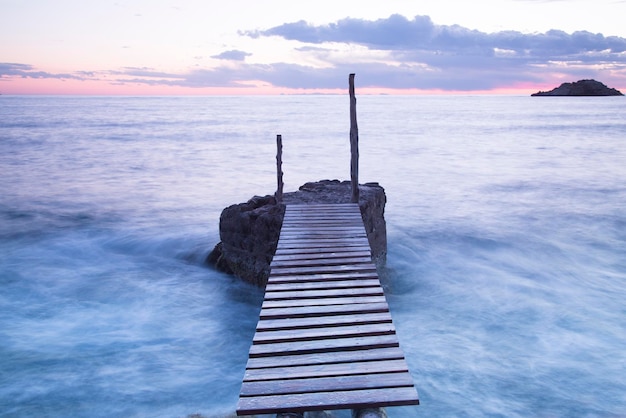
{"points": [[581, 88], [369, 413], [249, 234], [249, 231]]}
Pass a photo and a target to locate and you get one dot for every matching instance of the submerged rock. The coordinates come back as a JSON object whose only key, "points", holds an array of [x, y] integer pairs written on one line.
{"points": [[581, 88], [249, 231]]}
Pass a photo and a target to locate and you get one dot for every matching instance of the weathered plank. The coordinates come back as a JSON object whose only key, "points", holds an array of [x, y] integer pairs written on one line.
{"points": [[321, 242], [324, 277], [337, 253], [331, 261], [325, 293], [321, 310], [290, 303], [331, 228], [328, 370], [323, 321], [352, 356], [354, 399], [318, 285], [321, 250], [312, 334], [325, 338], [322, 269], [328, 345], [326, 384]]}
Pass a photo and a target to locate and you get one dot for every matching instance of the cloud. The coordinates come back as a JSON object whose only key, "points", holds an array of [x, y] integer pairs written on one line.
{"points": [[397, 33], [422, 54], [233, 55], [8, 69], [395, 53]]}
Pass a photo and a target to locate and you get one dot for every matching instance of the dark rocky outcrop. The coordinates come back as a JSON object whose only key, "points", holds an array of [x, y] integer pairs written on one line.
{"points": [[249, 231], [581, 88]]}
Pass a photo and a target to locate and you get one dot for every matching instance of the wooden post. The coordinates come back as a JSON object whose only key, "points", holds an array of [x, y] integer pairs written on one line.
{"points": [[279, 168], [354, 144]]}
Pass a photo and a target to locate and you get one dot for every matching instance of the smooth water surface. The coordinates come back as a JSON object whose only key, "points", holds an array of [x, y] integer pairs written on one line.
{"points": [[506, 273]]}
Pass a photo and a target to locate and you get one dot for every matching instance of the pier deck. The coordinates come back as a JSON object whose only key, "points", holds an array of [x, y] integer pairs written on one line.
{"points": [[325, 338]]}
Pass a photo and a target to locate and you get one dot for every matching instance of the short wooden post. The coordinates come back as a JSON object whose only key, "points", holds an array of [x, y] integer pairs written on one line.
{"points": [[279, 168], [354, 144]]}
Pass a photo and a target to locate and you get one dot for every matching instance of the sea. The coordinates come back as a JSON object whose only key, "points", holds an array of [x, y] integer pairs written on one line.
{"points": [[505, 273]]}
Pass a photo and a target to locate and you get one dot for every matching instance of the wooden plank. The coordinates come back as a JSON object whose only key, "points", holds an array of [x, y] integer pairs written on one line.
{"points": [[318, 210], [319, 346], [321, 262], [325, 250], [333, 253], [337, 219], [389, 353], [282, 271], [312, 334], [326, 384], [323, 246], [323, 217], [321, 242], [323, 213], [289, 303], [302, 402], [329, 225], [323, 277], [323, 310], [323, 236], [322, 321], [309, 206], [339, 369], [338, 227], [322, 239], [325, 338], [335, 284], [324, 293], [334, 227], [322, 223], [317, 237]]}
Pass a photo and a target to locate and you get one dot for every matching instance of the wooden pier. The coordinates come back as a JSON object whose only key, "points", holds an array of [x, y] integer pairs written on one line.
{"points": [[325, 337]]}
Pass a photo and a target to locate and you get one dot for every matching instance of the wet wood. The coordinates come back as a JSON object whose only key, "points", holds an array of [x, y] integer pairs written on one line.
{"points": [[325, 337], [323, 322], [304, 285], [290, 303], [321, 346], [354, 399], [279, 168], [391, 353], [330, 370], [354, 143], [323, 310]]}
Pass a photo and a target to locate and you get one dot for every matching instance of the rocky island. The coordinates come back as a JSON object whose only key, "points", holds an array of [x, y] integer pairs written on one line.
{"points": [[249, 231], [581, 88]]}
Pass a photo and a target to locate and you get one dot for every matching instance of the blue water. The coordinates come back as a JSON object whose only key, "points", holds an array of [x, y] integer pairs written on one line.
{"points": [[506, 271]]}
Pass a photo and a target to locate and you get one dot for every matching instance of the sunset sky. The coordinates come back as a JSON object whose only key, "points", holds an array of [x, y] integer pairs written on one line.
{"points": [[285, 46]]}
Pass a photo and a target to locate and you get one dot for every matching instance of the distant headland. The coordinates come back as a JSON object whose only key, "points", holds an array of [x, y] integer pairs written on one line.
{"points": [[581, 88]]}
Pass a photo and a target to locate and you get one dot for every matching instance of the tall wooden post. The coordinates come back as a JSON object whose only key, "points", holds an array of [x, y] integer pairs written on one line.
{"points": [[279, 168], [354, 144]]}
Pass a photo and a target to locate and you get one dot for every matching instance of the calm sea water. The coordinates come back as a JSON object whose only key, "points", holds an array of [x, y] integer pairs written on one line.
{"points": [[506, 270]]}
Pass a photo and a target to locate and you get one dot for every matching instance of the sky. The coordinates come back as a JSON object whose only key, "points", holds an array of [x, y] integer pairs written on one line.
{"points": [[184, 47]]}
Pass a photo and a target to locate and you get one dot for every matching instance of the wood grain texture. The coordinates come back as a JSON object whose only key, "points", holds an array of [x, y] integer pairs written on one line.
{"points": [[325, 337]]}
